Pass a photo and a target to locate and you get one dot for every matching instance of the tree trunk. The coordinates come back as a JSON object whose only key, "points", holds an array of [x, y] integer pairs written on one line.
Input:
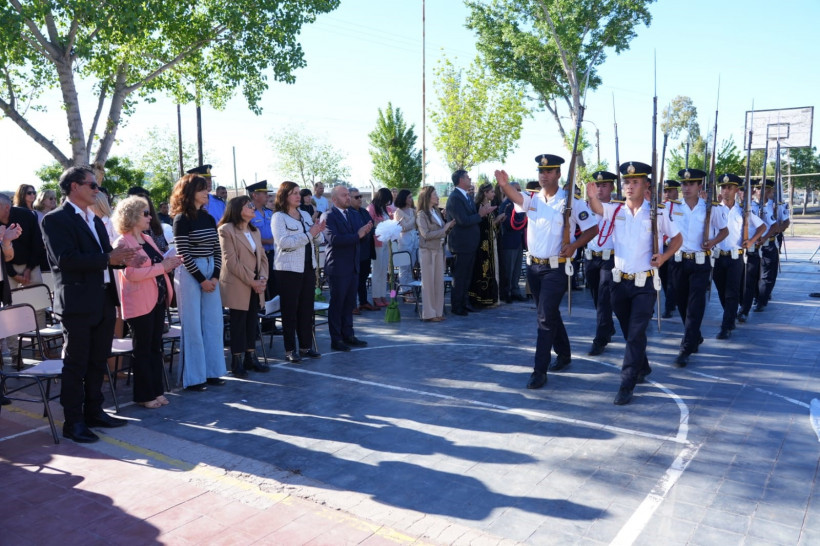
{"points": [[71, 102], [111, 125]]}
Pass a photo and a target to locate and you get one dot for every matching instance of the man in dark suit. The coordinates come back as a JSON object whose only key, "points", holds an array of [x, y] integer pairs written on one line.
{"points": [[85, 296], [343, 233], [463, 239], [367, 252]]}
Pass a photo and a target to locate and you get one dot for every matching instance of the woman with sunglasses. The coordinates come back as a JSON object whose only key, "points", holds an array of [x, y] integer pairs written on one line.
{"points": [[145, 291], [24, 197], [198, 298], [46, 202], [242, 281]]}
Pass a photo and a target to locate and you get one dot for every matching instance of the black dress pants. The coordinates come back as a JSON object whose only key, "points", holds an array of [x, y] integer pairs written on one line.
{"points": [[599, 280], [690, 281], [633, 307], [146, 334], [296, 304], [728, 276], [548, 287], [245, 326]]}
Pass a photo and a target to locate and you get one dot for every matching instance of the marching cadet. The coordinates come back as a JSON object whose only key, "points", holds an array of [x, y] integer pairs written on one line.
{"points": [[728, 271], [748, 286], [689, 271], [599, 259], [633, 291], [546, 258], [670, 201], [770, 251]]}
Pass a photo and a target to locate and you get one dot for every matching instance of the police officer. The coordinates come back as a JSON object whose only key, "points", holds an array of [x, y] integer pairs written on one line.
{"points": [[670, 201], [215, 206], [728, 271], [776, 217], [262, 221], [689, 271], [599, 259], [633, 289], [547, 258]]}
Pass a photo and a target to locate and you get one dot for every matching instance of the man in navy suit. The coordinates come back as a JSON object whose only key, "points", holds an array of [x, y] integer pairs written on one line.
{"points": [[463, 239], [85, 296], [343, 233]]}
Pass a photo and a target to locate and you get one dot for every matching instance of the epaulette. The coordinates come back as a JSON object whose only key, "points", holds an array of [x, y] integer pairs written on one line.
{"points": [[716, 203], [674, 201], [661, 206], [618, 201]]}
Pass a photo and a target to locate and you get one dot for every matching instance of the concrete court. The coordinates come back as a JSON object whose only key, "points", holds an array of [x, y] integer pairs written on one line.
{"points": [[429, 435]]}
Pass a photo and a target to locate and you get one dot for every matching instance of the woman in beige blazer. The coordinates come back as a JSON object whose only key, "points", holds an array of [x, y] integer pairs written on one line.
{"points": [[432, 230], [242, 281]]}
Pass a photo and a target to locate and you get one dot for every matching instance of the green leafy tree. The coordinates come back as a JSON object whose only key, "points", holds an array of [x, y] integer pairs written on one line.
{"points": [[729, 159], [130, 52], [307, 159], [554, 46], [680, 120], [805, 161], [160, 161], [478, 118], [120, 174], [396, 161]]}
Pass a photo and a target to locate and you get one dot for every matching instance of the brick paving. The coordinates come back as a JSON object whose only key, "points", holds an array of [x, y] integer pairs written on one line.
{"points": [[427, 436]]}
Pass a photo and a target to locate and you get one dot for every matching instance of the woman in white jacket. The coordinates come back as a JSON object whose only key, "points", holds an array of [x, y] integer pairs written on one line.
{"points": [[295, 237]]}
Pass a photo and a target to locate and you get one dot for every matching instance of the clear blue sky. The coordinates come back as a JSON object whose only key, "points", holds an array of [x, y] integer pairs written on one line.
{"points": [[369, 52]]}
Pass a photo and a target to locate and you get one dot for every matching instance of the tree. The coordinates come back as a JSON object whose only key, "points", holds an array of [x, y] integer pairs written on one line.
{"points": [[479, 117], [680, 120], [160, 161], [729, 160], [308, 160], [554, 46], [120, 175], [805, 161], [132, 52], [396, 162]]}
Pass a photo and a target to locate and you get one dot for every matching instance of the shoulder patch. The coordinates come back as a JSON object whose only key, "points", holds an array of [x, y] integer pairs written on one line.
{"points": [[584, 215]]}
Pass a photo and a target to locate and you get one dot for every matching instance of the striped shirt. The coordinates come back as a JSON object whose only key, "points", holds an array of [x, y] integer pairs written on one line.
{"points": [[197, 238]]}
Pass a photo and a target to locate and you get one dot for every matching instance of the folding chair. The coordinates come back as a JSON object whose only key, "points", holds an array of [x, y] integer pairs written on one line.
{"points": [[21, 319], [39, 297], [402, 258]]}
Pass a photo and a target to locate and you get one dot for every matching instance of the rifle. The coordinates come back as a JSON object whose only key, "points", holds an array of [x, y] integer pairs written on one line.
{"points": [[569, 190], [778, 197], [653, 211], [660, 182], [617, 159], [711, 195], [747, 206], [686, 165]]}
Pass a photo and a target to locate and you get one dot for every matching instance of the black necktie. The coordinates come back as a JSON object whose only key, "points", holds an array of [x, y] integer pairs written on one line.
{"points": [[344, 213]]}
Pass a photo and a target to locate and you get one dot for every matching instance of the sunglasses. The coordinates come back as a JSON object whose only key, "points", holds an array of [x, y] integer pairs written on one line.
{"points": [[32, 192], [92, 185], [146, 213], [250, 206], [356, 197]]}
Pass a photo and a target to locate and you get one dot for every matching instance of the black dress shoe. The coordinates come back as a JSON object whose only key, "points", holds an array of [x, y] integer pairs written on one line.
{"points": [[354, 342], [741, 318], [519, 298], [251, 362], [561, 362], [724, 333], [537, 380], [310, 353], [682, 359], [623, 397], [79, 432], [197, 388], [217, 381], [103, 420], [339, 346], [4, 401], [596, 349], [460, 313], [293, 357], [470, 309]]}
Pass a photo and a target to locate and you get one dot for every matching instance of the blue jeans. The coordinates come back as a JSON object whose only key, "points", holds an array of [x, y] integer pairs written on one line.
{"points": [[200, 315]]}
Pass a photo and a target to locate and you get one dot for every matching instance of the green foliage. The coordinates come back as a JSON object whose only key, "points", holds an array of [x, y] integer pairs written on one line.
{"points": [[307, 160], [160, 161], [396, 162], [128, 52], [120, 174], [805, 161], [553, 45], [680, 120], [729, 160], [478, 118]]}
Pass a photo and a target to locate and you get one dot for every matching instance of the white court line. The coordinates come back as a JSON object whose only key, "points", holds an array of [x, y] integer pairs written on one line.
{"points": [[25, 432]]}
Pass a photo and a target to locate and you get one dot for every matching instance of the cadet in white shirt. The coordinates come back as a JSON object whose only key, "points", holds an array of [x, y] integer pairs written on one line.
{"points": [[633, 291], [689, 271], [670, 201], [778, 220], [728, 271], [547, 256], [598, 262]]}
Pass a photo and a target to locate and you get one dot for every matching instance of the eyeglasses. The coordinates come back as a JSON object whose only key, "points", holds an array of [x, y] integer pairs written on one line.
{"points": [[92, 185], [146, 213], [31, 192], [355, 196], [250, 206]]}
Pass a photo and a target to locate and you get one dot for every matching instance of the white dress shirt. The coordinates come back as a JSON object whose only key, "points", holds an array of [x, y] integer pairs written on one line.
{"points": [[632, 235], [545, 225]]}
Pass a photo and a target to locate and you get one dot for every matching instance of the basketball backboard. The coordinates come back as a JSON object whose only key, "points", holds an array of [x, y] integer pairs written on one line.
{"points": [[791, 126]]}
